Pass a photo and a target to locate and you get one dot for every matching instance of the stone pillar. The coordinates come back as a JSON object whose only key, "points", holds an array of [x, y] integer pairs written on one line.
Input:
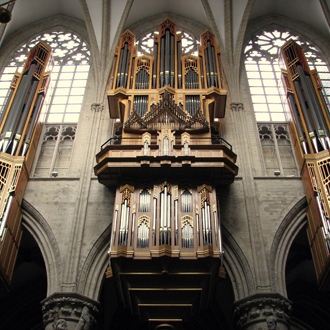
{"points": [[263, 311], [69, 311]]}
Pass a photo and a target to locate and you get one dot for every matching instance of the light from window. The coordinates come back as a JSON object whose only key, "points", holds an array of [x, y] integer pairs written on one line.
{"points": [[264, 73], [68, 79]]}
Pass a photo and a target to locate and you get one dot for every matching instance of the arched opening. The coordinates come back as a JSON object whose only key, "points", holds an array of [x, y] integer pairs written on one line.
{"points": [[214, 308], [310, 306], [20, 306]]}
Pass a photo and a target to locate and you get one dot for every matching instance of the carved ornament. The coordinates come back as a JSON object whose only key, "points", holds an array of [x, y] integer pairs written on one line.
{"points": [[166, 110], [236, 106], [145, 219], [269, 309], [187, 219], [57, 310], [97, 107]]}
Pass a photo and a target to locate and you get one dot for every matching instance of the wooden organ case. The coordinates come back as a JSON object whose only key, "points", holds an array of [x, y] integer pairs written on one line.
{"points": [[310, 131], [166, 160], [20, 131]]}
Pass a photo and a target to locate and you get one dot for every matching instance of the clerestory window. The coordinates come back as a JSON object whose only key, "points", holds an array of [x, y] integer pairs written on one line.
{"points": [[264, 74], [68, 78], [63, 101]]}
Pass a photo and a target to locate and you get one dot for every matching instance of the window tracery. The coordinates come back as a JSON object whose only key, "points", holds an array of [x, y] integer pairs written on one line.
{"points": [[264, 74], [68, 79], [188, 42]]}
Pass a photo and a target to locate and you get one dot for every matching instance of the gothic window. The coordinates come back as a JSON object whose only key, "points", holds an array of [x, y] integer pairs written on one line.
{"points": [[55, 155], [188, 42], [277, 149], [264, 74], [68, 79], [63, 101]]}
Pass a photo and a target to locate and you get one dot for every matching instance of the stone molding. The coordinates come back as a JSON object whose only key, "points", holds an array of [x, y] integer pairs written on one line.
{"points": [[236, 106], [258, 309], [40, 229], [71, 310]]}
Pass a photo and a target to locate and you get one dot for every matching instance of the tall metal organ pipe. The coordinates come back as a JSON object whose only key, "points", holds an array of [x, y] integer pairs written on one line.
{"points": [[179, 64], [318, 109], [16, 108], [297, 122], [162, 62], [23, 118], [306, 115], [319, 131]]}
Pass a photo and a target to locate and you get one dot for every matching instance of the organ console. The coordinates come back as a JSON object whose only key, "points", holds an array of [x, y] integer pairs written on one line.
{"points": [[310, 134]]}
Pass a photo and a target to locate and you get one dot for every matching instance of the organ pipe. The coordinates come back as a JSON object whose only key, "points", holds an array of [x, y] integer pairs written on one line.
{"points": [[311, 119], [176, 222], [179, 64], [164, 99], [297, 122], [162, 62], [166, 66], [154, 70], [172, 61], [319, 131], [198, 232], [5, 215], [306, 115], [154, 222], [167, 57]]}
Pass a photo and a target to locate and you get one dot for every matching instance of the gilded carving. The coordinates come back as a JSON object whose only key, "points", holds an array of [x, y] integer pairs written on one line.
{"points": [[176, 193], [145, 219], [187, 219], [169, 187]]}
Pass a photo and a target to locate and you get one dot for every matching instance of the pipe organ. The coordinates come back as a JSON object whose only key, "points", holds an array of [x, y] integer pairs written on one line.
{"points": [[166, 159], [310, 130], [19, 136]]}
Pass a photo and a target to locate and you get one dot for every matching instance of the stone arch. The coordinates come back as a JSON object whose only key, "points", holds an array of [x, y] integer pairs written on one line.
{"points": [[55, 23], [285, 234], [237, 266], [92, 273], [36, 224], [93, 269]]}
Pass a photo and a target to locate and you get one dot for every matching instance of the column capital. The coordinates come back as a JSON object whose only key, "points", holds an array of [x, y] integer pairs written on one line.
{"points": [[69, 311], [263, 311]]}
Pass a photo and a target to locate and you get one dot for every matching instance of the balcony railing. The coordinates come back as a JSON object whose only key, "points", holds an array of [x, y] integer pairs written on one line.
{"points": [[193, 141]]}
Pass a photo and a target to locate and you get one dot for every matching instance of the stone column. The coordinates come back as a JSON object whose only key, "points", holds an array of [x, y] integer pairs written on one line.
{"points": [[69, 311], [263, 311]]}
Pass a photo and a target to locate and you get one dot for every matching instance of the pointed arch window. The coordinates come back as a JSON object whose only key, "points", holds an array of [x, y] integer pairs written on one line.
{"points": [[264, 74], [68, 79], [63, 100]]}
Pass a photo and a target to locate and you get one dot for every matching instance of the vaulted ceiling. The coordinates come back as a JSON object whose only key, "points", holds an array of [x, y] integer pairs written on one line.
{"points": [[103, 17]]}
